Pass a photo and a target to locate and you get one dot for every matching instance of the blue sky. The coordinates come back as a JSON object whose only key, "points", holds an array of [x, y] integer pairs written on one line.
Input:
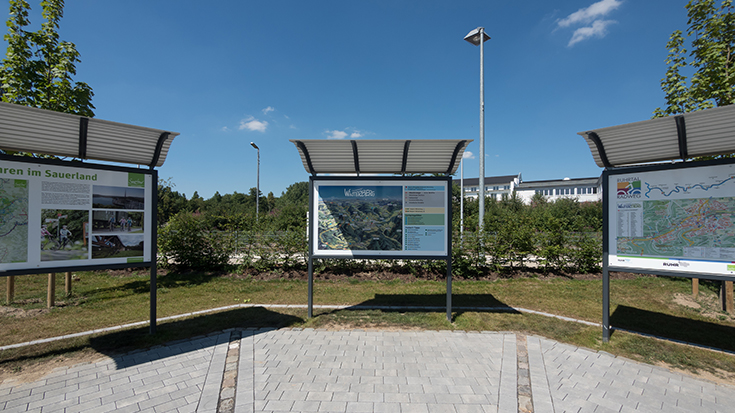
{"points": [[226, 73]]}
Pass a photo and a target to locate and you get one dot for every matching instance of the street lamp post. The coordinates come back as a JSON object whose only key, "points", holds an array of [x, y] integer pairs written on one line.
{"points": [[257, 184], [478, 37], [461, 199]]}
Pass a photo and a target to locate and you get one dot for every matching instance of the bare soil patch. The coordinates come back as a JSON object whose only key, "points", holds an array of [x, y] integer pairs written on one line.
{"points": [[707, 305]]}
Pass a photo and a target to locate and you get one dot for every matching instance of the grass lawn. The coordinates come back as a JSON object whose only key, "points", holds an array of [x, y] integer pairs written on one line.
{"points": [[654, 305]]}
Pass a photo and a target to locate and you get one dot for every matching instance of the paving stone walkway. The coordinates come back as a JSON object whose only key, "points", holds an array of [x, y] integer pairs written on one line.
{"points": [[309, 370]]}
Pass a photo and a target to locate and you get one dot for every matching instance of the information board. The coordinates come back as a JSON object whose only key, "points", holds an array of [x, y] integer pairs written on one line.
{"points": [[381, 218], [672, 218], [56, 216]]}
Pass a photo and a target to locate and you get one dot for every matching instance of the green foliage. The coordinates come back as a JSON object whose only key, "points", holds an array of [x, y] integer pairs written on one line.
{"points": [[586, 252], [553, 243], [559, 236], [296, 194], [712, 32], [187, 242], [38, 67], [170, 202]]}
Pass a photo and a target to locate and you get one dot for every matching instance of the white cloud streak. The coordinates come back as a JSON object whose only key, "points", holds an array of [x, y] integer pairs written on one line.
{"points": [[591, 13], [341, 134], [268, 109], [253, 124], [468, 155], [336, 134], [598, 29]]}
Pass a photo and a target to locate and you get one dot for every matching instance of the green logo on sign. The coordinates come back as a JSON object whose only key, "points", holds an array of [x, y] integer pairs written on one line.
{"points": [[730, 267], [21, 183], [135, 179]]}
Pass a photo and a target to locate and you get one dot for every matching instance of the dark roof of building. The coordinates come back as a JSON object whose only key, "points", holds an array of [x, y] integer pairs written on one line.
{"points": [[491, 180], [555, 183]]}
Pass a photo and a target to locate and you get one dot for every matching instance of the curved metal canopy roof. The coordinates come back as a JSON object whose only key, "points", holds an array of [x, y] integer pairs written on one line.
{"points": [[702, 133], [381, 156], [28, 129]]}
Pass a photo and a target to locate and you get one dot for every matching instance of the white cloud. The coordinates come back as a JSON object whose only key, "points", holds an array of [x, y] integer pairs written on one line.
{"points": [[350, 132], [336, 134], [468, 155], [268, 109], [253, 124], [598, 29], [225, 129], [593, 12]]}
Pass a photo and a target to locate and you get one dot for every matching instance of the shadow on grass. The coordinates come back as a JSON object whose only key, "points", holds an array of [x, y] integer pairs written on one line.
{"points": [[170, 280], [176, 337], [461, 303], [673, 327]]}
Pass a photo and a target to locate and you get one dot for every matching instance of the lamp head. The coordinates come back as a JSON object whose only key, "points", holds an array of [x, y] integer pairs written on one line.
{"points": [[474, 36], [254, 145]]}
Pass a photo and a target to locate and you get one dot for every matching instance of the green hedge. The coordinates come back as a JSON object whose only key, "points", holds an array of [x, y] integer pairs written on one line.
{"points": [[562, 236]]}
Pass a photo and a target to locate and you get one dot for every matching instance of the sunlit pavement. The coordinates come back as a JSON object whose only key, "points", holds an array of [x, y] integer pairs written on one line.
{"points": [[307, 370]]}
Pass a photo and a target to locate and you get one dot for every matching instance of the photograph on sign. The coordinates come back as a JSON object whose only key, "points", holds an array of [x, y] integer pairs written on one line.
{"points": [[673, 219], [62, 234], [54, 215], [392, 217]]}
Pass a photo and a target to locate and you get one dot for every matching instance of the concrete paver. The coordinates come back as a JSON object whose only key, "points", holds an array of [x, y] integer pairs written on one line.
{"points": [[307, 370]]}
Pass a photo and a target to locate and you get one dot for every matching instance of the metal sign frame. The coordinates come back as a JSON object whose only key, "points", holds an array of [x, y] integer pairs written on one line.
{"points": [[610, 174], [399, 181], [73, 266]]}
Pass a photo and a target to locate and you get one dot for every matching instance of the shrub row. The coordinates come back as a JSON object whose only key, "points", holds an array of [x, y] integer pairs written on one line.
{"points": [[510, 241]]}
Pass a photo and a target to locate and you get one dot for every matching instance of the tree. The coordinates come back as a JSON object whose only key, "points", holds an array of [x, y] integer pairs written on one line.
{"points": [[297, 194], [170, 202], [712, 30], [38, 67]]}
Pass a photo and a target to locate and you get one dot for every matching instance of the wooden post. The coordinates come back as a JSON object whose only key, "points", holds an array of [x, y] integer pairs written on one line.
{"points": [[695, 287], [727, 297], [10, 293], [51, 293], [67, 283]]}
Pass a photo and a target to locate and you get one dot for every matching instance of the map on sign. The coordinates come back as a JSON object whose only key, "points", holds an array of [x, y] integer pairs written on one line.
{"points": [[679, 219], [13, 220], [360, 218], [695, 228]]}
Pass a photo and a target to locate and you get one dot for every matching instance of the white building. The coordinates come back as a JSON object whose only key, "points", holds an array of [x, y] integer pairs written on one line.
{"points": [[495, 186], [581, 189]]}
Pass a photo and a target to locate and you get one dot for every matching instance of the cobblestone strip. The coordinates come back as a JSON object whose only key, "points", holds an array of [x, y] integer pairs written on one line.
{"points": [[229, 378], [525, 403], [508, 398], [245, 402], [541, 394], [209, 398]]}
